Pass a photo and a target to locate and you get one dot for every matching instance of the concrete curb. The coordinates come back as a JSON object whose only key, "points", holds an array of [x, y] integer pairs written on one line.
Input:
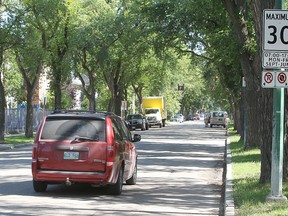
{"points": [[229, 208]]}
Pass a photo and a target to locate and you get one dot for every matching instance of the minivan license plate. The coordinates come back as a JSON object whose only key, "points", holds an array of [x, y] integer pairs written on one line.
{"points": [[71, 155]]}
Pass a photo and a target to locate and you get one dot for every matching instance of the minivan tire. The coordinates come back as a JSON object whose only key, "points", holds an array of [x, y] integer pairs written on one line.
{"points": [[116, 189], [39, 186], [133, 179]]}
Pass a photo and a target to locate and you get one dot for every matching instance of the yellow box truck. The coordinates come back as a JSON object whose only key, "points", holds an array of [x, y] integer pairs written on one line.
{"points": [[154, 110]]}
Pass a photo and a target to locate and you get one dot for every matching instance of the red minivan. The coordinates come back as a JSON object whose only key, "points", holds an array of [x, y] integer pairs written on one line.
{"points": [[84, 147]]}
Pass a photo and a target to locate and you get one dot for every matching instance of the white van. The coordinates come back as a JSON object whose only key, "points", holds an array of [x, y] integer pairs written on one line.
{"points": [[218, 118]]}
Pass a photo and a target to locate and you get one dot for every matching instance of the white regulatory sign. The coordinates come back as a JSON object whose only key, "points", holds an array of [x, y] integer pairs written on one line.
{"points": [[275, 30], [274, 79], [281, 79], [272, 59], [268, 79]]}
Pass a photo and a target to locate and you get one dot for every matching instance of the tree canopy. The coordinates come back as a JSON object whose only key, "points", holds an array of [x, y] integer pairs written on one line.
{"points": [[120, 49]]}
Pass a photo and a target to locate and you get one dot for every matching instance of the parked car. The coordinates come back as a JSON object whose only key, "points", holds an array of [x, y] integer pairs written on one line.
{"points": [[196, 116], [84, 147], [137, 121], [189, 117], [178, 118], [218, 118]]}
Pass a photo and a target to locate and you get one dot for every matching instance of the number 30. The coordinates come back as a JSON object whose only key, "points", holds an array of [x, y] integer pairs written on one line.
{"points": [[273, 34]]}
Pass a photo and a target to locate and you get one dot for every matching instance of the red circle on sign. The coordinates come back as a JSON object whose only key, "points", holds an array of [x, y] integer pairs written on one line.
{"points": [[268, 77], [281, 77]]}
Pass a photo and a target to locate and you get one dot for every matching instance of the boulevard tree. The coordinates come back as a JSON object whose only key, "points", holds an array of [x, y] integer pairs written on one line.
{"points": [[34, 37], [200, 25], [3, 46], [2, 99], [53, 18], [259, 101], [93, 33], [29, 54]]}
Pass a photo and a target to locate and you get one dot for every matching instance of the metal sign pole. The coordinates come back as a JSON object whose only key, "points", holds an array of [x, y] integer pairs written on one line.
{"points": [[277, 139]]}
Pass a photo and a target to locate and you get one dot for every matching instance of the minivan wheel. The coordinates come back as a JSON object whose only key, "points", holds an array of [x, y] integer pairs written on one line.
{"points": [[116, 189], [133, 179], [39, 186], [211, 125], [147, 127]]}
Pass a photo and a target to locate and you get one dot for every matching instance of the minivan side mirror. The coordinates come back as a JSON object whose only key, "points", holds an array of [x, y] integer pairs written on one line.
{"points": [[136, 138]]}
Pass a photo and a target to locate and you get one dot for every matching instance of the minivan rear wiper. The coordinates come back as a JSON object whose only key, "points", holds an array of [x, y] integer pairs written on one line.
{"points": [[83, 139]]}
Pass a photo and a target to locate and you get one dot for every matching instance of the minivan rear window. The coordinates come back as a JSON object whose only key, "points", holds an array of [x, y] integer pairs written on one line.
{"points": [[70, 129], [218, 114]]}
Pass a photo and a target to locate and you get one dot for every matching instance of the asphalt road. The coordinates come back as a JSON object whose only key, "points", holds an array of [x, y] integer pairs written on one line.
{"points": [[179, 173]]}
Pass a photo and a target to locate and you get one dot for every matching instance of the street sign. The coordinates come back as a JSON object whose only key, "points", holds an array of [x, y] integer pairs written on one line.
{"points": [[281, 79], [275, 59], [275, 30], [275, 39], [268, 79], [274, 79]]}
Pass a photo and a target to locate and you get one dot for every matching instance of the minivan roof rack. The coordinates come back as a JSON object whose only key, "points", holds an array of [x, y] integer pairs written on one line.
{"points": [[56, 111], [59, 111]]}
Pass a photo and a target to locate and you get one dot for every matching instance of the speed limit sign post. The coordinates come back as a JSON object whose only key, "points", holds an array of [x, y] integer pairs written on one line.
{"points": [[275, 39], [275, 30], [275, 56]]}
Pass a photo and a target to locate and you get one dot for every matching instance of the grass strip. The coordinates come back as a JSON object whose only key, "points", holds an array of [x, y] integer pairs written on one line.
{"points": [[249, 195], [17, 139]]}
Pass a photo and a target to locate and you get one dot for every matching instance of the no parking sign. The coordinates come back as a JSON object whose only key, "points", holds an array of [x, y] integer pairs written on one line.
{"points": [[281, 79], [274, 79], [268, 79]]}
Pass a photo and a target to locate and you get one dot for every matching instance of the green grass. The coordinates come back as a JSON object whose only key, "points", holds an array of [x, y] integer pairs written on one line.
{"points": [[17, 140], [249, 195]]}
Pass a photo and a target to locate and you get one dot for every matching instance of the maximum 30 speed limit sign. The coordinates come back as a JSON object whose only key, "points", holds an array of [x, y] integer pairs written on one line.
{"points": [[275, 30]]}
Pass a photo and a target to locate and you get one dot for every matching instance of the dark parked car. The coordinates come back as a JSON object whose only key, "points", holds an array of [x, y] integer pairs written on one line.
{"points": [[189, 117], [84, 147], [137, 121]]}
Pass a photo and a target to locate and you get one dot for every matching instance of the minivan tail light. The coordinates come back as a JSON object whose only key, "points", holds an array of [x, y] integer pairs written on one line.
{"points": [[34, 150], [110, 141], [110, 154]]}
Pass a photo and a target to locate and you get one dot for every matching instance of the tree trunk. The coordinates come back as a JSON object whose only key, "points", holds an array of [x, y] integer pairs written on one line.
{"points": [[236, 115], [118, 103], [115, 80], [265, 96], [138, 92], [258, 100], [2, 101], [2, 111], [92, 94], [57, 83], [92, 77], [29, 115]]}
